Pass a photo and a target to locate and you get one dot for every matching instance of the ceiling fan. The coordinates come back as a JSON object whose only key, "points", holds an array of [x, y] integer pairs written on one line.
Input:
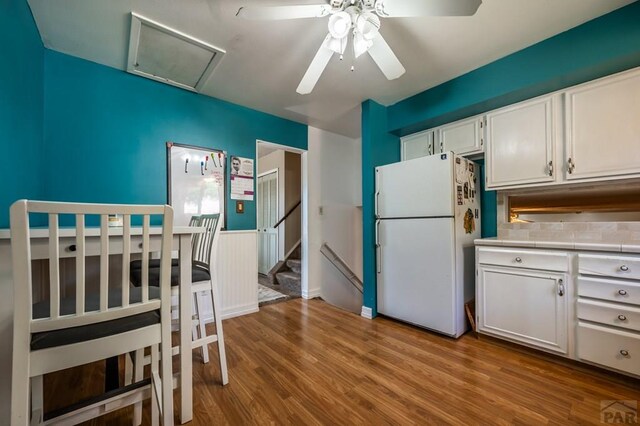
{"points": [[358, 21]]}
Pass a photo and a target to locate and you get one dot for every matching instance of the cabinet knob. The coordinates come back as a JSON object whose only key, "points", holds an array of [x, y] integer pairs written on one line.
{"points": [[624, 352], [622, 317], [624, 268], [518, 260], [622, 292], [71, 248]]}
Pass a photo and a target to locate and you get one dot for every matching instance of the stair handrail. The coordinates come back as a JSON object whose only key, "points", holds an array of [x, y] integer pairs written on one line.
{"points": [[288, 214], [341, 266]]}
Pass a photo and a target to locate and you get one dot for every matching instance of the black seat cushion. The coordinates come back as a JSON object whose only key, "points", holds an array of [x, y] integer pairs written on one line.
{"points": [[67, 336], [198, 273], [153, 263]]}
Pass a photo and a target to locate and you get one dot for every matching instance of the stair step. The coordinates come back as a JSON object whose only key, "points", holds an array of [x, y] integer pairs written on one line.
{"points": [[295, 265], [289, 278]]}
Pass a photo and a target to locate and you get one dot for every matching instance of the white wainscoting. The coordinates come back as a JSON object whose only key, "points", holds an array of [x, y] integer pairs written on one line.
{"points": [[237, 273]]}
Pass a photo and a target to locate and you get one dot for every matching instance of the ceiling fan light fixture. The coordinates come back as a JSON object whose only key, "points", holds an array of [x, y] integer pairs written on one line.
{"points": [[368, 24], [340, 24], [360, 44], [337, 45]]}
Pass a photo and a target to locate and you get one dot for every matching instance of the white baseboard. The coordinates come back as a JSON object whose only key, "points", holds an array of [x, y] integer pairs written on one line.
{"points": [[366, 313], [237, 311], [310, 294]]}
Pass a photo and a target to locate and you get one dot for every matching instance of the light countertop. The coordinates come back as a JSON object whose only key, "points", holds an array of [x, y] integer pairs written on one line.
{"points": [[562, 245]]}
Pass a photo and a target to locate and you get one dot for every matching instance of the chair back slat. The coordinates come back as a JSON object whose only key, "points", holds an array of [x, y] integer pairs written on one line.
{"points": [[126, 256], [145, 258], [104, 262], [80, 264], [54, 266], [60, 312], [204, 241], [194, 221]]}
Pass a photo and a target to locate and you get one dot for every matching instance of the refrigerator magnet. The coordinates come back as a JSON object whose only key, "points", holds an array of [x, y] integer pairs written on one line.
{"points": [[459, 194], [469, 222]]}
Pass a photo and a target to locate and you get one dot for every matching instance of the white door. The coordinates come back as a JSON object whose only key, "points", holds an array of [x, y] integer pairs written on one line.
{"points": [[603, 128], [267, 217], [464, 137], [416, 274], [416, 145], [421, 187], [524, 305], [520, 144]]}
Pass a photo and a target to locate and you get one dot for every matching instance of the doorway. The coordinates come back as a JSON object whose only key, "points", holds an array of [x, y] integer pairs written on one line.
{"points": [[279, 214], [267, 217]]}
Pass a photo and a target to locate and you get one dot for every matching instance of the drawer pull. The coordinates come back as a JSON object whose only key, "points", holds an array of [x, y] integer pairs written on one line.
{"points": [[622, 292], [518, 260], [624, 268], [622, 317], [560, 287], [624, 353]]}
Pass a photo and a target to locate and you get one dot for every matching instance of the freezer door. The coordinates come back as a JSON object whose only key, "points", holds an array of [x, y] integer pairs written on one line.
{"points": [[416, 274], [421, 187]]}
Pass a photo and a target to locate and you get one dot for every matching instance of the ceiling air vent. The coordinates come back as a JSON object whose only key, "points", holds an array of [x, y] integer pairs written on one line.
{"points": [[169, 56]]}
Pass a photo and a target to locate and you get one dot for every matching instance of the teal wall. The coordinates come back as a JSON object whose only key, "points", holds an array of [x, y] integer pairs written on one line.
{"points": [[21, 108], [378, 148], [600, 47], [105, 134]]}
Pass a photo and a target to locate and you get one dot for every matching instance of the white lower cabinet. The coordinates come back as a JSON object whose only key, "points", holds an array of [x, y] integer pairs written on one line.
{"points": [[584, 306], [527, 306]]}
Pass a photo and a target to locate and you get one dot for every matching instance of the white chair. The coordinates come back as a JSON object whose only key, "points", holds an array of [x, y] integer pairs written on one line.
{"points": [[204, 255], [61, 333]]}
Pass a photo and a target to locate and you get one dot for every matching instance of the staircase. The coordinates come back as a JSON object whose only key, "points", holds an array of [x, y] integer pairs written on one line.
{"points": [[287, 273]]}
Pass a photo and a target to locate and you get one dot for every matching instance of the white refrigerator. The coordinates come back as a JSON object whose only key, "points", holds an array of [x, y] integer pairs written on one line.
{"points": [[428, 214]]}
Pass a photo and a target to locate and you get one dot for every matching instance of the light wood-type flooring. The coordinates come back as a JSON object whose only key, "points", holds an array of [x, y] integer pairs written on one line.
{"points": [[305, 362]]}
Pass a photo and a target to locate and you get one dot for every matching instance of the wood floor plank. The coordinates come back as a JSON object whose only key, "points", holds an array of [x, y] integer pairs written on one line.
{"points": [[306, 362]]}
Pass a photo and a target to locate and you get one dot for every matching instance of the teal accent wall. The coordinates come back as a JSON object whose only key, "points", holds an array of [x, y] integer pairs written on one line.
{"points": [[21, 110], [603, 46], [378, 148], [105, 134]]}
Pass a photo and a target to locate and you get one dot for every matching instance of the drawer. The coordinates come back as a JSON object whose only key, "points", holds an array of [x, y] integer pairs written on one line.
{"points": [[607, 313], [616, 349], [531, 259], [609, 266], [608, 289]]}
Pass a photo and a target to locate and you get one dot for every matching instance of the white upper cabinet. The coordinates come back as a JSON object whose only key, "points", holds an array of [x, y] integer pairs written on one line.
{"points": [[521, 144], [603, 128], [416, 145], [464, 137]]}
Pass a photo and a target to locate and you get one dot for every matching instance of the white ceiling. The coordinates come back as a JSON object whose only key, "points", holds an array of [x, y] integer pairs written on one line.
{"points": [[265, 60]]}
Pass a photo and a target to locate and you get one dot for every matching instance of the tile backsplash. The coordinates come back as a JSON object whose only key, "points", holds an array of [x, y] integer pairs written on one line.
{"points": [[588, 232]]}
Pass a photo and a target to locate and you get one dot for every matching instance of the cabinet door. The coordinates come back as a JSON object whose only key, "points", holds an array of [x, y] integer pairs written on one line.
{"points": [[463, 137], [603, 128], [520, 144], [524, 305], [416, 145]]}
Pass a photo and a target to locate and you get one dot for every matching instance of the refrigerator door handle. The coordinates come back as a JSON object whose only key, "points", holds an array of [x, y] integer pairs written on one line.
{"points": [[377, 194], [378, 248]]}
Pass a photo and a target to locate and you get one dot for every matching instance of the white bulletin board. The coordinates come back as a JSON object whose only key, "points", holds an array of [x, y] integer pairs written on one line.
{"points": [[196, 182]]}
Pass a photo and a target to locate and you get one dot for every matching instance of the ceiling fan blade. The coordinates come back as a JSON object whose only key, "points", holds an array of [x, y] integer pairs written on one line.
{"points": [[284, 12], [386, 60], [414, 8], [316, 68]]}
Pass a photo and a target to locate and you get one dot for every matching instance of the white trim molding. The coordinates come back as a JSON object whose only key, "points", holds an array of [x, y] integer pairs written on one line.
{"points": [[311, 293], [366, 313]]}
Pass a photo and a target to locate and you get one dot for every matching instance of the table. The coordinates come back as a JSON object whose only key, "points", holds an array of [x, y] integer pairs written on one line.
{"points": [[182, 236]]}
